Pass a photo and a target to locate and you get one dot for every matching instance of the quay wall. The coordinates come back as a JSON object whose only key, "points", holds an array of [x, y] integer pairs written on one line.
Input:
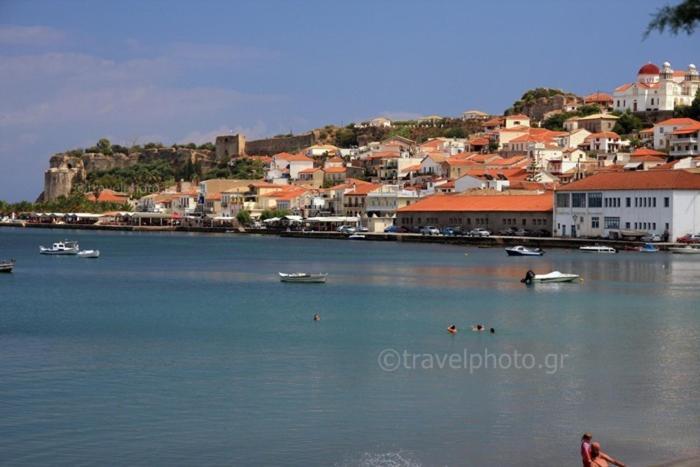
{"points": [[483, 242]]}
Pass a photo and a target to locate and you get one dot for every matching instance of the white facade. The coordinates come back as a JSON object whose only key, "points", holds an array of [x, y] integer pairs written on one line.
{"points": [[657, 89], [385, 200], [663, 131], [597, 213]]}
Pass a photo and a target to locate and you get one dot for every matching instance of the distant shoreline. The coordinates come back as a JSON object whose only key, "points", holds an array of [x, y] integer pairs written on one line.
{"points": [[482, 242]]}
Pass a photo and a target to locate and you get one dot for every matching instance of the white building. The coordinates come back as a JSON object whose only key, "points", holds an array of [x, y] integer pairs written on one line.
{"points": [[657, 89], [385, 200], [654, 201], [663, 131], [685, 141]]}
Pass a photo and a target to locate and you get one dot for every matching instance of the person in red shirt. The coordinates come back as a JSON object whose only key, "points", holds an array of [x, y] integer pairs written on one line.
{"points": [[586, 449]]}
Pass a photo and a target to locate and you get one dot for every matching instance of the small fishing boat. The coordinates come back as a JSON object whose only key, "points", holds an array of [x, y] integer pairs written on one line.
{"points": [[89, 254], [61, 248], [6, 265], [356, 236], [303, 277], [598, 249], [554, 276], [520, 250], [685, 250], [648, 248]]}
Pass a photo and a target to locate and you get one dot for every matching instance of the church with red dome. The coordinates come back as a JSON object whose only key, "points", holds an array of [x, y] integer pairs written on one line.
{"points": [[657, 89]]}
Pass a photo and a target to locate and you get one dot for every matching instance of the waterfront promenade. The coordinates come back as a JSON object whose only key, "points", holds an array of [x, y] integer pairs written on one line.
{"points": [[490, 241]]}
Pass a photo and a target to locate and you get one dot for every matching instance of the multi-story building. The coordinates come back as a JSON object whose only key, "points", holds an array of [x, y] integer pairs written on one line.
{"points": [[385, 200], [663, 131], [685, 141], [654, 201]]}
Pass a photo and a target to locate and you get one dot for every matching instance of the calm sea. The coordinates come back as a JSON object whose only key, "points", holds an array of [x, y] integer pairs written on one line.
{"points": [[176, 349]]}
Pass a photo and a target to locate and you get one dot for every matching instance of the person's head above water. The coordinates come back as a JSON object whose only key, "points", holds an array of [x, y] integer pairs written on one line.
{"points": [[493, 331], [586, 437]]}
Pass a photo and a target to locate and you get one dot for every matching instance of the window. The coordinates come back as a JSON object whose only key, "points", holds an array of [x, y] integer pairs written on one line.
{"points": [[595, 222], [595, 200], [627, 225], [628, 202], [653, 225], [578, 200], [667, 201], [611, 222], [653, 201], [562, 200]]}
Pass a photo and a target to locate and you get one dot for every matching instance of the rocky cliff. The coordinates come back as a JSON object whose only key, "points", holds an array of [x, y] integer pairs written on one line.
{"points": [[67, 169]]}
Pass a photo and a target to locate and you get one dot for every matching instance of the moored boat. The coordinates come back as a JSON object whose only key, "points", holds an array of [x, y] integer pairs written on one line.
{"points": [[89, 254], [648, 248], [598, 249], [7, 265], [303, 277], [685, 250], [520, 250], [65, 247], [356, 236], [554, 276]]}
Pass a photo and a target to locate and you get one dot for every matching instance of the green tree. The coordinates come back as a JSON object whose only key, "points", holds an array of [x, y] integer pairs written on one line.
{"points": [[104, 146], [683, 17], [627, 124], [209, 146], [243, 217], [270, 213]]}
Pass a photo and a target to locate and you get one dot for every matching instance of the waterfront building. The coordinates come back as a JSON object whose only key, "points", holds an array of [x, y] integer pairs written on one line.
{"points": [[654, 201], [385, 200], [490, 211]]}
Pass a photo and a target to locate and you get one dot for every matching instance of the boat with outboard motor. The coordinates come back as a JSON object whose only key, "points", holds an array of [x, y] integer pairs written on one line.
{"points": [[65, 247], [303, 277], [554, 276], [520, 250]]}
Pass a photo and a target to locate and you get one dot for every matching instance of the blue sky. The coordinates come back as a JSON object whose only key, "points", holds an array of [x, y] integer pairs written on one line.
{"points": [[175, 71]]}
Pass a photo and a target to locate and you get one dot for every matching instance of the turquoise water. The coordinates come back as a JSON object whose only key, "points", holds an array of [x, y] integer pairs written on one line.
{"points": [[176, 349]]}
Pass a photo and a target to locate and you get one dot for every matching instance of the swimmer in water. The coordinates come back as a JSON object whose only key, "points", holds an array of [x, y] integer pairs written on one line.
{"points": [[478, 327], [452, 329], [317, 317]]}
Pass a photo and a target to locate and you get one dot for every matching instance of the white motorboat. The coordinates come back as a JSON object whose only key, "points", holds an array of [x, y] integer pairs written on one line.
{"points": [[61, 248], [554, 276], [6, 265], [89, 254], [520, 250], [303, 277], [685, 250], [356, 236], [598, 249]]}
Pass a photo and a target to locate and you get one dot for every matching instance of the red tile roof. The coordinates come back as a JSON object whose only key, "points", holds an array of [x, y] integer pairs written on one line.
{"points": [[639, 152], [638, 180], [292, 157], [517, 117], [597, 97], [680, 121], [482, 203], [334, 170]]}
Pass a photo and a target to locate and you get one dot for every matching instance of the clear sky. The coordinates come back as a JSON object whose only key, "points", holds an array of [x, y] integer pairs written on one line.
{"points": [[176, 71]]}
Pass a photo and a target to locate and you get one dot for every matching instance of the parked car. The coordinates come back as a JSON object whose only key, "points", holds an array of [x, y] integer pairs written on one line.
{"points": [[396, 229], [541, 233], [508, 231], [363, 229], [689, 238], [451, 231], [429, 230], [651, 238], [479, 232], [520, 232], [347, 229]]}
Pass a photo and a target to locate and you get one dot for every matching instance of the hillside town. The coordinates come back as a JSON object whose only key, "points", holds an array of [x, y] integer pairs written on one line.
{"points": [[511, 176]]}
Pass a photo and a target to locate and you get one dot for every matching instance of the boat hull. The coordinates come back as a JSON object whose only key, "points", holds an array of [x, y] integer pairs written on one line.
{"points": [[303, 278], [557, 279], [50, 252], [7, 266], [602, 250], [523, 253], [90, 254]]}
